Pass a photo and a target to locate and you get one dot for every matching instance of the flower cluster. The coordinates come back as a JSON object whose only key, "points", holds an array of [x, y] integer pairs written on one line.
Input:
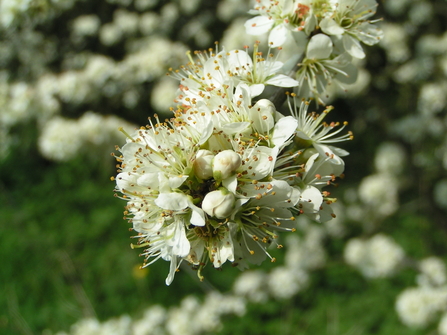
{"points": [[420, 305], [226, 173], [377, 257], [327, 33]]}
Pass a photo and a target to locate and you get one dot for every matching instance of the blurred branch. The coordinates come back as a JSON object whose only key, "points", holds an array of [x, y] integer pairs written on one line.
{"points": [[205, 285], [69, 271], [13, 308]]}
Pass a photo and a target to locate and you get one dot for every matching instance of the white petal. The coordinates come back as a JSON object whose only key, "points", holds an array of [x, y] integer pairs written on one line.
{"points": [[278, 36], [286, 195], [310, 23], [125, 181], [282, 80], [353, 47], [283, 130], [172, 270], [129, 149], [207, 131], [319, 47], [224, 250], [334, 165], [311, 199], [256, 89], [173, 201], [269, 67], [351, 72], [239, 58], [243, 90], [303, 135], [176, 181], [197, 215], [163, 183], [216, 73], [369, 33], [179, 242], [230, 183], [263, 165], [325, 214], [262, 115], [148, 180], [330, 27], [339, 152], [258, 25], [236, 127]]}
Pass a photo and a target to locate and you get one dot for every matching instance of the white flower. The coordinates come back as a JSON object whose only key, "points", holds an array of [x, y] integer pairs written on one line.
{"points": [[349, 24], [218, 74], [258, 72], [320, 68], [313, 131], [281, 18], [255, 221], [154, 169], [220, 179]]}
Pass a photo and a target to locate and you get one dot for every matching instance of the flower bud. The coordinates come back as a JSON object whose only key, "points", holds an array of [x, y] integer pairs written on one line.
{"points": [[225, 164], [219, 203], [203, 164]]}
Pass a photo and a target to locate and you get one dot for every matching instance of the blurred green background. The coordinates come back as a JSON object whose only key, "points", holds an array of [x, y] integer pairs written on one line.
{"points": [[63, 243]]}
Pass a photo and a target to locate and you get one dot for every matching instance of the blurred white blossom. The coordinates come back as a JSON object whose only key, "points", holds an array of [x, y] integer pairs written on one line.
{"points": [[251, 285], [432, 98], [442, 327], [60, 140], [377, 257], [433, 272], [395, 42], [418, 306], [390, 158], [86, 25], [380, 193], [285, 282]]}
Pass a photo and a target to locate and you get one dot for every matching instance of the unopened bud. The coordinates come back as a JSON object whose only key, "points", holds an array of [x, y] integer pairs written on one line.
{"points": [[219, 203], [225, 164], [203, 164]]}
